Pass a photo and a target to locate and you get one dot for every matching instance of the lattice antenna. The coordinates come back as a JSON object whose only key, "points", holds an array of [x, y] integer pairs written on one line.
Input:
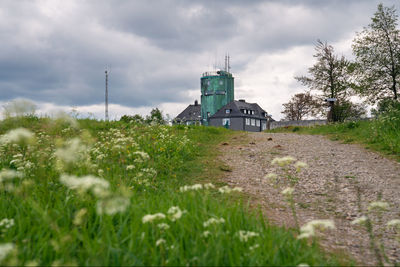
{"points": [[106, 95], [229, 64]]}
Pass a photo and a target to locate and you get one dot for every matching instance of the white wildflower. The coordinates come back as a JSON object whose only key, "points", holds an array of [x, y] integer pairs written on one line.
{"points": [[378, 205], [72, 152], [18, 136], [6, 175], [98, 186], [160, 242], [283, 161], [300, 165], [151, 217], [5, 249], [64, 117], [130, 167], [244, 236], [288, 192], [7, 223], [190, 187], [112, 205], [393, 223], [213, 221], [305, 235], [163, 226], [208, 186], [361, 220], [79, 216], [226, 189], [206, 233], [100, 156], [254, 247], [143, 156], [196, 187], [309, 228], [175, 213]]}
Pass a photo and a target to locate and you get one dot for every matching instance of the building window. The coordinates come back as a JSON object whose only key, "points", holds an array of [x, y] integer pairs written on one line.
{"points": [[258, 123], [221, 82], [208, 114], [227, 111], [253, 122], [226, 121], [247, 121], [252, 112]]}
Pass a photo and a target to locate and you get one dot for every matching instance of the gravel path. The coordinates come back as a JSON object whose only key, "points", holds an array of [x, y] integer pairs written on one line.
{"points": [[327, 189]]}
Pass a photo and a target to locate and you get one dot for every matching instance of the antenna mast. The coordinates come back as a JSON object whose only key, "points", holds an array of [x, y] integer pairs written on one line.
{"points": [[229, 65], [106, 111], [226, 59]]}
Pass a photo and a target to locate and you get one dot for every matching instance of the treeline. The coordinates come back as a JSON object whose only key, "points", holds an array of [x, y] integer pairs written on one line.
{"points": [[373, 75]]}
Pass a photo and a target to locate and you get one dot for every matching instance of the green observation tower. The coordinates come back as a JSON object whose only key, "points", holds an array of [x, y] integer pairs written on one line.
{"points": [[217, 90]]}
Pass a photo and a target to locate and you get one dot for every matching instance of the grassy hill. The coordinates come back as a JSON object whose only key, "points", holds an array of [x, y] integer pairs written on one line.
{"points": [[94, 193], [382, 134]]}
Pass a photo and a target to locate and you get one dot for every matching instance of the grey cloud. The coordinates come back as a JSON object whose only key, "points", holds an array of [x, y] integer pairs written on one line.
{"points": [[156, 49]]}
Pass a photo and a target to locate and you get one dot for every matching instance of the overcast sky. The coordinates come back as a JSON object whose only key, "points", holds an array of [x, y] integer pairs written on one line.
{"points": [[55, 52]]}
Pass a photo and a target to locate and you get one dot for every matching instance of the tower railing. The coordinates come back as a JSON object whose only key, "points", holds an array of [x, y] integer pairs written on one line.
{"points": [[216, 73]]}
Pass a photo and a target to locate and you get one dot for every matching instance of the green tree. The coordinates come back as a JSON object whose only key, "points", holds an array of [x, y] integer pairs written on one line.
{"points": [[156, 116], [347, 110], [135, 118], [330, 76], [300, 106], [377, 51]]}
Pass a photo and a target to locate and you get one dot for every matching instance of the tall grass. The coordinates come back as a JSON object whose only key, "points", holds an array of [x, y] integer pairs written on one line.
{"points": [[79, 193]]}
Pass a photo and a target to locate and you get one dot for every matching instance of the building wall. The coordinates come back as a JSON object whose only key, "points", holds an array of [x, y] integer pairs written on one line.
{"points": [[237, 124]]}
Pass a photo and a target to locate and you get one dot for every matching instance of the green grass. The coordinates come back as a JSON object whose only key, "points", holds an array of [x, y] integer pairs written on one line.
{"points": [[382, 135], [47, 230]]}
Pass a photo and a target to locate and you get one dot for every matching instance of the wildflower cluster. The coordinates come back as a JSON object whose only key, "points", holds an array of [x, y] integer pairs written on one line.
{"points": [[244, 236], [309, 229], [196, 187], [212, 221], [226, 189]]}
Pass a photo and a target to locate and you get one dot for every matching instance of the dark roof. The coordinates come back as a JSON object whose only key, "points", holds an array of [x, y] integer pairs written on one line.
{"points": [[236, 108], [191, 113]]}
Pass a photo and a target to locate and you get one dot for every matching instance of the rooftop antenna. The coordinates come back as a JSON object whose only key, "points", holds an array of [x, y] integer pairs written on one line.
{"points": [[229, 65], [106, 95], [226, 62]]}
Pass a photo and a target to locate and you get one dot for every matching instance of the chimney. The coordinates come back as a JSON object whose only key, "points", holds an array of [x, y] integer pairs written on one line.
{"points": [[196, 103], [242, 100]]}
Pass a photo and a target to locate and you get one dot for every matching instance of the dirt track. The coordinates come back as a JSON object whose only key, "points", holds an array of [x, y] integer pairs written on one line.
{"points": [[327, 189]]}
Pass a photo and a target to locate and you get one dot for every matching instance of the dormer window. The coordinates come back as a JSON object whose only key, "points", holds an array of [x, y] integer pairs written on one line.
{"points": [[227, 111]]}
